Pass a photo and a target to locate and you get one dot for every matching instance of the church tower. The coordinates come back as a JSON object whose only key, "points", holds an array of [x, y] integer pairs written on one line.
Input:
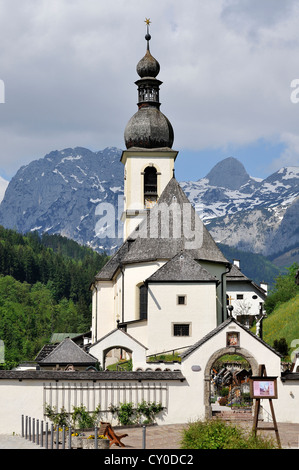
{"points": [[149, 158]]}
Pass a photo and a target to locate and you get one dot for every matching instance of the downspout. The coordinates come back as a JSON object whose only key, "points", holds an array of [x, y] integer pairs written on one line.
{"points": [[122, 294], [223, 305], [96, 313]]}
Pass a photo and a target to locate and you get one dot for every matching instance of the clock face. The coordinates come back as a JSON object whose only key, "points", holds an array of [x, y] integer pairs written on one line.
{"points": [[150, 201]]}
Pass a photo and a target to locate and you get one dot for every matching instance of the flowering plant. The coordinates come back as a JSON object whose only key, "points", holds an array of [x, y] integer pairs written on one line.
{"points": [[101, 436]]}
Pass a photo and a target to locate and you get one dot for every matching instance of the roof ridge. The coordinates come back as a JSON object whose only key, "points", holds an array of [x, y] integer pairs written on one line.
{"points": [[219, 328], [61, 347], [182, 267]]}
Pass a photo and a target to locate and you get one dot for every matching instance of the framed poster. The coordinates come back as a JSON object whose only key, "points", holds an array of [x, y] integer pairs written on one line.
{"points": [[263, 387]]}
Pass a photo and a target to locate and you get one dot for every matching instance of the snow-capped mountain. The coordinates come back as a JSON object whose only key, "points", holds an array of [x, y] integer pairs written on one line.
{"points": [[226, 196], [67, 192], [246, 212], [79, 194]]}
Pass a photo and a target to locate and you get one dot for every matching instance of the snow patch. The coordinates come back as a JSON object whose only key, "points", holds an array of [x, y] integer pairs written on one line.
{"points": [[116, 189], [76, 178], [70, 158], [60, 174]]}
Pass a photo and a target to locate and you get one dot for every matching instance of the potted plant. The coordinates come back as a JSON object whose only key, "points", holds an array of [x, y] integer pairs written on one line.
{"points": [[77, 440], [102, 442]]}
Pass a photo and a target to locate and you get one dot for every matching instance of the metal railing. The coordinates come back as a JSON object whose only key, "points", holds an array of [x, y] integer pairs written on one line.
{"points": [[172, 352], [38, 432], [42, 435]]}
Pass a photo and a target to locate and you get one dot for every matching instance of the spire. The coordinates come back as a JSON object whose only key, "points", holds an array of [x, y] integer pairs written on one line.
{"points": [[148, 128], [148, 66], [147, 36]]}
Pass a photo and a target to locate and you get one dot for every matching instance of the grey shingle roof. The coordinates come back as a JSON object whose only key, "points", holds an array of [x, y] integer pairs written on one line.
{"points": [[90, 375], [45, 351], [108, 271], [236, 274], [67, 352], [182, 268], [154, 238]]}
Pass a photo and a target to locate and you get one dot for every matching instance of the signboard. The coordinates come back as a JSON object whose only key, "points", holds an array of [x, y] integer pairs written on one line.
{"points": [[263, 387]]}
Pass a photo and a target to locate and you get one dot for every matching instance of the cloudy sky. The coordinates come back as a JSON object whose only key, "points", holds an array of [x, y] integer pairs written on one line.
{"points": [[68, 69]]}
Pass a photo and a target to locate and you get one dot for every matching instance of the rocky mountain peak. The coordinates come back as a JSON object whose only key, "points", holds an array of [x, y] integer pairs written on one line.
{"points": [[229, 173]]}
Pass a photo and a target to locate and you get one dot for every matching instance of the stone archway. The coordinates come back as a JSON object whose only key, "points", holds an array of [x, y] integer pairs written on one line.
{"points": [[119, 339], [117, 348], [207, 378]]}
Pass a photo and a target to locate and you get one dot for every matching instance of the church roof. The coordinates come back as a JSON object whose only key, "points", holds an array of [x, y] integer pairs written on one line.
{"points": [[170, 227], [236, 274], [220, 327], [113, 264], [182, 268], [67, 352]]}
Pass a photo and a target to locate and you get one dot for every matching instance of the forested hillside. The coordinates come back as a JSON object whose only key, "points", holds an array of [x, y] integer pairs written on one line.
{"points": [[44, 288], [254, 266], [281, 326]]}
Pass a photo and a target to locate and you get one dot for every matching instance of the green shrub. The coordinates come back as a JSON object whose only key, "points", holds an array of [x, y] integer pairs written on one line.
{"points": [[217, 434], [127, 414], [149, 410], [59, 419], [281, 346], [224, 392], [82, 419]]}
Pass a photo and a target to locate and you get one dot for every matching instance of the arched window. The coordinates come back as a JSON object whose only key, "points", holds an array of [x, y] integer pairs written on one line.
{"points": [[143, 302], [150, 186], [150, 181]]}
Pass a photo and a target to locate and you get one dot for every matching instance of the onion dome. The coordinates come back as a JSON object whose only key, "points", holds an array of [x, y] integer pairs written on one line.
{"points": [[148, 66], [148, 128]]}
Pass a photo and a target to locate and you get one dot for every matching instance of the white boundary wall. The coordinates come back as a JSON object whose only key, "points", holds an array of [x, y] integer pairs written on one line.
{"points": [[183, 400], [183, 393]]}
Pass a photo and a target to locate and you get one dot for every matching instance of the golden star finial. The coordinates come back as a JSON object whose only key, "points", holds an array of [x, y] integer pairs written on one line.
{"points": [[147, 21]]}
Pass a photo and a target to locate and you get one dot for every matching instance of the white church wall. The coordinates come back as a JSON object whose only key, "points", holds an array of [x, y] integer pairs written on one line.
{"points": [[103, 309], [139, 331], [135, 275], [199, 312], [217, 270]]}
